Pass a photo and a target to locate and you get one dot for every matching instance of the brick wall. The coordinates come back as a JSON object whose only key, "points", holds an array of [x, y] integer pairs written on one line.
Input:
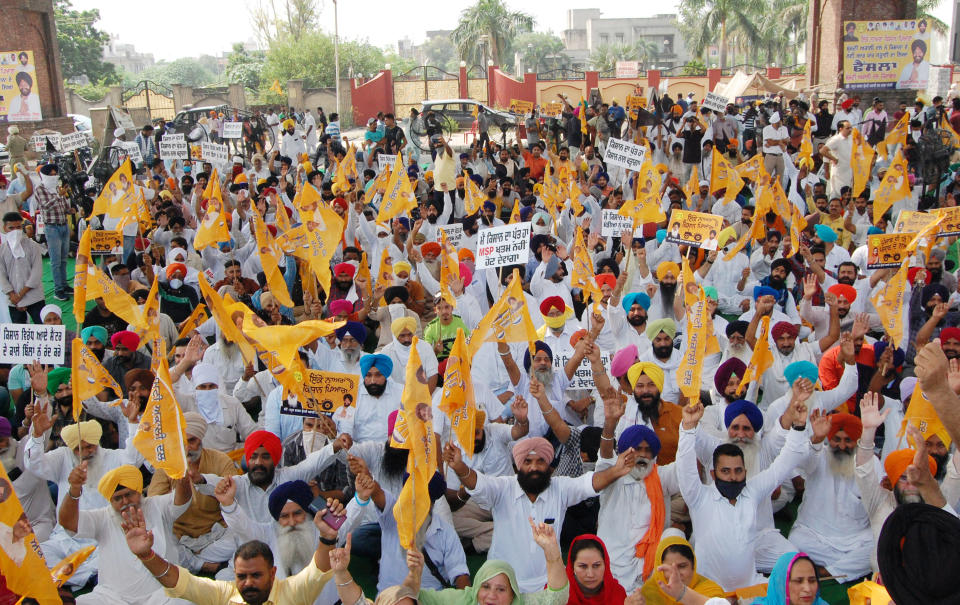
{"points": [[29, 25]]}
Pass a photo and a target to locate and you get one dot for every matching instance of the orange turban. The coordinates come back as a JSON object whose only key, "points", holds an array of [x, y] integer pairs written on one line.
{"points": [[848, 423], [897, 462]]}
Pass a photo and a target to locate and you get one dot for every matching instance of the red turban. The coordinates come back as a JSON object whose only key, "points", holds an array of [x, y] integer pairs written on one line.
{"points": [[912, 273], [272, 229], [432, 248], [848, 423], [846, 105], [140, 244], [784, 328], [125, 338], [267, 440], [897, 462], [606, 278], [339, 201], [176, 267], [552, 302], [949, 333], [843, 290], [342, 268]]}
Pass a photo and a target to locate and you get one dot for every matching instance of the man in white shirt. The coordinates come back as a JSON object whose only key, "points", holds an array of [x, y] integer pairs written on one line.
{"points": [[838, 151], [378, 397], [775, 139], [398, 350], [531, 494], [228, 422]]}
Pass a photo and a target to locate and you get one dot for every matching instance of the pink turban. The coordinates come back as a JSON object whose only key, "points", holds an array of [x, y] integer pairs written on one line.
{"points": [[532, 446]]}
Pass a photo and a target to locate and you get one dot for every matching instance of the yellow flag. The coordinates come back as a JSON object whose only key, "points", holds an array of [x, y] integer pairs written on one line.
{"points": [[281, 218], [861, 161], [347, 169], [65, 569], [752, 169], [398, 196], [797, 224], [270, 254], [196, 319], [895, 187], [896, 136], [161, 438], [691, 289], [921, 414], [723, 176], [868, 592], [507, 320], [98, 285], [583, 116], [275, 88], [229, 316], [889, 304], [457, 399], [80, 277], [286, 340], [449, 269], [21, 560], [385, 270], [692, 188], [307, 201], [120, 198], [147, 327], [363, 273], [379, 185], [947, 132], [582, 274], [515, 213], [88, 377], [315, 242], [806, 143], [761, 359], [473, 196], [699, 327], [416, 415], [213, 228]]}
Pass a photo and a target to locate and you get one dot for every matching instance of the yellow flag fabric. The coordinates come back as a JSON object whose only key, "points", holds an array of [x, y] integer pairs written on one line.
{"points": [[797, 224], [507, 320], [275, 88], [286, 340], [363, 273], [868, 592], [21, 560], [120, 199], [398, 196], [379, 185], [229, 315], [148, 325], [692, 187], [896, 136], [895, 187], [161, 437], [806, 143], [449, 268], [196, 319], [583, 116], [889, 304], [582, 274], [761, 359], [515, 213], [270, 255], [281, 218], [88, 376], [473, 196], [921, 414], [308, 199], [457, 399], [699, 328], [347, 169], [315, 242], [949, 132], [752, 169], [385, 270], [213, 228], [98, 285], [723, 176], [860, 161], [80, 277], [65, 569], [413, 503]]}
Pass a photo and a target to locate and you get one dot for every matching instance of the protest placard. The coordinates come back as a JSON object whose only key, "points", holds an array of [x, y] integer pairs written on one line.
{"points": [[887, 250], [951, 224], [694, 229], [715, 102], [625, 154], [39, 141], [26, 343], [506, 245], [122, 118], [104, 242], [173, 147], [454, 233], [520, 107], [233, 130], [635, 102], [215, 153], [74, 140], [327, 392], [553, 109], [384, 160], [613, 223], [130, 150], [911, 221], [881, 54], [583, 377]]}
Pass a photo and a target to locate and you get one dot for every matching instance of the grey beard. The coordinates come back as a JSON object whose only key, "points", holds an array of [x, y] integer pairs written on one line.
{"points": [[544, 376], [351, 356], [296, 545], [8, 457], [642, 469], [433, 267], [194, 455], [751, 450], [842, 465]]}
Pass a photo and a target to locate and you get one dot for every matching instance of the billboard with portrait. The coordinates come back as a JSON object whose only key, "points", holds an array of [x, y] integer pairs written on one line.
{"points": [[19, 97], [886, 54]]}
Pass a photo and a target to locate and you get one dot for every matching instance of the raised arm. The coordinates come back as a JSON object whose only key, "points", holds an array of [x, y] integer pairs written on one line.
{"points": [[69, 514], [539, 393], [506, 356], [932, 372], [546, 538], [833, 334]]}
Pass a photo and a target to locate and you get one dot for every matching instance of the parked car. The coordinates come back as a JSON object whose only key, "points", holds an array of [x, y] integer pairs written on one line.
{"points": [[461, 111], [186, 121]]}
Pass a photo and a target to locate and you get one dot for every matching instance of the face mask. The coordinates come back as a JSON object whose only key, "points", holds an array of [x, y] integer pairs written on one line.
{"points": [[3, 194], [208, 405], [49, 181], [176, 283], [13, 236], [400, 281], [313, 441], [555, 322], [541, 229], [729, 489]]}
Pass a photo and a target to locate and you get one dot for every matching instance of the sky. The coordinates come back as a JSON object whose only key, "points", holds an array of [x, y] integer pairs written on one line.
{"points": [[212, 26]]}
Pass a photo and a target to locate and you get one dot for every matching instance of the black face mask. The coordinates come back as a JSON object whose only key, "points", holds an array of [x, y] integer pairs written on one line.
{"points": [[376, 389], [730, 489]]}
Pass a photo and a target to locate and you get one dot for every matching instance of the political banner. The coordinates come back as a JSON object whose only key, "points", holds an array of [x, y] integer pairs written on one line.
{"points": [[627, 69], [74, 140], [583, 376], [887, 251], [130, 150], [215, 153], [233, 130], [553, 109], [122, 118], [624, 154], [26, 343], [454, 233], [694, 229], [635, 102], [951, 222], [39, 141], [520, 107], [326, 393], [715, 102], [174, 147], [613, 223], [506, 245], [104, 241], [384, 161], [886, 54], [19, 101], [911, 221]]}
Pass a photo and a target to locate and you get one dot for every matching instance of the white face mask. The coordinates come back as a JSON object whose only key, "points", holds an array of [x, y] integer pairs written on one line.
{"points": [[49, 181], [13, 236], [3, 194], [313, 441], [208, 404], [176, 283], [541, 229], [400, 281]]}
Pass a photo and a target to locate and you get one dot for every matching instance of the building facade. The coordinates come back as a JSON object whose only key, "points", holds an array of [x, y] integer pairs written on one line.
{"points": [[587, 31]]}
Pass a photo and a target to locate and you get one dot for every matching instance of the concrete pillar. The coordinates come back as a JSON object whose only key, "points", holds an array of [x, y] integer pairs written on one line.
{"points": [[237, 96], [68, 94], [182, 97], [115, 96], [713, 78], [593, 81], [774, 72], [295, 94], [491, 84], [462, 79], [98, 122], [653, 78]]}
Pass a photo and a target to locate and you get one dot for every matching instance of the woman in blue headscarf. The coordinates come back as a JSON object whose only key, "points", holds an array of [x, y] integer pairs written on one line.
{"points": [[794, 581]]}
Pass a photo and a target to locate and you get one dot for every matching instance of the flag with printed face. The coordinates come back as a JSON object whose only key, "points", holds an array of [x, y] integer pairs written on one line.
{"points": [[285, 341], [457, 399], [806, 143], [120, 198], [97, 285], [723, 176], [894, 187], [385, 270], [861, 160], [896, 136], [761, 359], [473, 196], [197, 318], [148, 325], [65, 569], [889, 304], [398, 196], [583, 116], [582, 274], [692, 188], [449, 269], [161, 437], [270, 255], [752, 169], [699, 329], [213, 227], [921, 414], [80, 277], [229, 316], [88, 376], [507, 320], [346, 170], [515, 213], [315, 242]]}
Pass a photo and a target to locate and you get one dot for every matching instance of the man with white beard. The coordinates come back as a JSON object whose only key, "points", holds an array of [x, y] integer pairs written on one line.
{"points": [[737, 346], [121, 580], [634, 508], [226, 357], [398, 350], [540, 366], [832, 524], [743, 421], [32, 491], [351, 335], [726, 381]]}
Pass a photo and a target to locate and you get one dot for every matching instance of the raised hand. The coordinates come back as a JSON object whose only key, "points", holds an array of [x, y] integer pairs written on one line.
{"points": [[335, 508], [614, 407], [130, 409], [692, 415], [820, 424], [365, 486], [953, 375], [519, 409], [340, 557], [78, 477], [847, 346], [809, 286], [41, 422], [932, 367], [674, 585], [139, 539], [625, 462], [357, 465], [415, 562], [226, 491], [635, 598], [38, 377], [870, 414], [545, 537], [861, 325], [536, 389], [802, 390]]}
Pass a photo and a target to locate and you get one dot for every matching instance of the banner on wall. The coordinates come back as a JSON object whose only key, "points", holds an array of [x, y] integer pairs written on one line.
{"points": [[19, 100], [886, 54]]}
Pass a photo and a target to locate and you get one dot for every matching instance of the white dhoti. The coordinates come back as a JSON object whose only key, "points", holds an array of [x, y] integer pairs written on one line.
{"points": [[847, 556], [215, 546], [770, 545]]}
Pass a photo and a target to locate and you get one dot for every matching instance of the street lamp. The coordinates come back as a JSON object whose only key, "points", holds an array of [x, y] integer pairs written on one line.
{"points": [[336, 54]]}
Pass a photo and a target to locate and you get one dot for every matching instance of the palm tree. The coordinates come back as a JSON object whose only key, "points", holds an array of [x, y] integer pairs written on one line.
{"points": [[704, 21], [606, 56], [490, 22], [646, 51]]}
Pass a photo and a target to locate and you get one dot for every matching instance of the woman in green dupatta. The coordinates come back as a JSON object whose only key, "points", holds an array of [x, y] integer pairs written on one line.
{"points": [[495, 583]]}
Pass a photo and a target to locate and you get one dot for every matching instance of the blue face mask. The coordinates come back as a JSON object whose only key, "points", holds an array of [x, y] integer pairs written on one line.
{"points": [[187, 169]]}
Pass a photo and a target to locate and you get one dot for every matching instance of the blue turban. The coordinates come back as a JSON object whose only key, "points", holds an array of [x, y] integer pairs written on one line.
{"points": [[98, 332], [476, 178], [633, 436], [759, 291], [437, 486], [353, 328], [540, 346], [464, 156], [898, 355], [661, 235], [874, 230], [931, 290], [711, 293], [742, 406], [525, 213], [294, 491], [378, 360], [825, 233], [413, 170], [636, 298], [488, 205], [801, 369], [405, 222]]}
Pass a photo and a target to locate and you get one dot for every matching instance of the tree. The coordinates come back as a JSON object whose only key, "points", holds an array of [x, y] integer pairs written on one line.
{"points": [[606, 56], [489, 24], [81, 44], [440, 52], [536, 47], [311, 59], [187, 71], [646, 52], [291, 19], [244, 67], [705, 21]]}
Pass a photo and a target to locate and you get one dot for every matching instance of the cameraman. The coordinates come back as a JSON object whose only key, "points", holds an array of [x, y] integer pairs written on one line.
{"points": [[55, 208], [692, 135]]}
